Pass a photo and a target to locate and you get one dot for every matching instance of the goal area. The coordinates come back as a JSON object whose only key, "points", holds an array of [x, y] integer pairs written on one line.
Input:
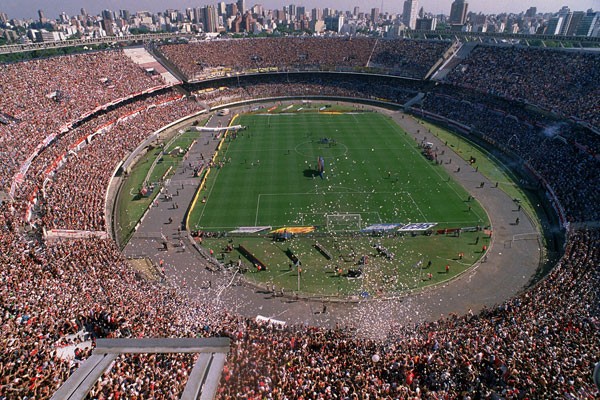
{"points": [[341, 222]]}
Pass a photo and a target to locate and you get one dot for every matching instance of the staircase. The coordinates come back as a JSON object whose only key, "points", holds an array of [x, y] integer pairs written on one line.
{"points": [[457, 58]]}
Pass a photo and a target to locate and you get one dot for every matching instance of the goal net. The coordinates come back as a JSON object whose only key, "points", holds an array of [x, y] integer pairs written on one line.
{"points": [[343, 222]]}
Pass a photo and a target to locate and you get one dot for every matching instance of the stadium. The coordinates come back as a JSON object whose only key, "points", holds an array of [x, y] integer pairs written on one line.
{"points": [[521, 321]]}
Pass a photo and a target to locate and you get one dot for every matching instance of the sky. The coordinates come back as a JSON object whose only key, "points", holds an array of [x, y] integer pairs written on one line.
{"points": [[52, 8]]}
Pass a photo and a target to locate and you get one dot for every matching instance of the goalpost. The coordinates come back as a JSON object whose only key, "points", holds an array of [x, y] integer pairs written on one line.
{"points": [[521, 236], [343, 222]]}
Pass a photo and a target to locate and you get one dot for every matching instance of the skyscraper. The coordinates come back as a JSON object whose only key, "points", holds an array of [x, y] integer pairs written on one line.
{"points": [[426, 24], [231, 9], [374, 14], [458, 12], [241, 6], [531, 12], [210, 18], [554, 25], [576, 18], [589, 24], [409, 14], [108, 15], [316, 14], [566, 15]]}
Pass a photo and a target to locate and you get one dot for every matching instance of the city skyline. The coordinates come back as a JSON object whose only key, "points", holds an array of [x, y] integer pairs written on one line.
{"points": [[24, 9]]}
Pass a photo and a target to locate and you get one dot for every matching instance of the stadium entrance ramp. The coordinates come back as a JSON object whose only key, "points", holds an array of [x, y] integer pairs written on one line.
{"points": [[202, 382]]}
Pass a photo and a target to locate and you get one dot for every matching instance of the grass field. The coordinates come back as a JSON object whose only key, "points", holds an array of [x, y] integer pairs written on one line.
{"points": [[491, 168], [374, 170], [408, 270]]}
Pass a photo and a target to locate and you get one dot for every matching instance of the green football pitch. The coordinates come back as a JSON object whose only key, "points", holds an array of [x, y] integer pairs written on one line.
{"points": [[372, 169], [374, 173]]}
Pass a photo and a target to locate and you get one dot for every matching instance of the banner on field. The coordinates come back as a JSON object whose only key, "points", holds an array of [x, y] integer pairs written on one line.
{"points": [[417, 226], [295, 229], [251, 229], [381, 227]]}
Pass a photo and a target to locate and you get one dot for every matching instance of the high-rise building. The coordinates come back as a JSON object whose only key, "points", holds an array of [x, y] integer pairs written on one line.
{"points": [[301, 12], [232, 9], [258, 9], [458, 12], [576, 18], [108, 15], [210, 18], [43, 19], [196, 15], [356, 11], [409, 14], [555, 25], [221, 9], [426, 24], [531, 12], [316, 14], [334, 23], [374, 14], [107, 25], [588, 24], [317, 26], [241, 6], [567, 18], [248, 22]]}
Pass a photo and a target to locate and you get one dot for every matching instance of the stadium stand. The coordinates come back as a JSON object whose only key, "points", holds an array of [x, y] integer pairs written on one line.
{"points": [[521, 73], [540, 344], [223, 91], [406, 58], [42, 98], [557, 152], [80, 179]]}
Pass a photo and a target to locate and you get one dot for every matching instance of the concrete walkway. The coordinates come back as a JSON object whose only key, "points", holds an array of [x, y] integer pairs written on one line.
{"points": [[509, 266], [140, 56]]}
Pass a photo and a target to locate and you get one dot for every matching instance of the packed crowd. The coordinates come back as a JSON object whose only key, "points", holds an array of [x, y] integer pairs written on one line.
{"points": [[565, 82], [50, 292], [145, 376], [74, 198], [570, 170], [408, 58], [66, 141], [265, 86], [540, 344], [39, 97]]}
